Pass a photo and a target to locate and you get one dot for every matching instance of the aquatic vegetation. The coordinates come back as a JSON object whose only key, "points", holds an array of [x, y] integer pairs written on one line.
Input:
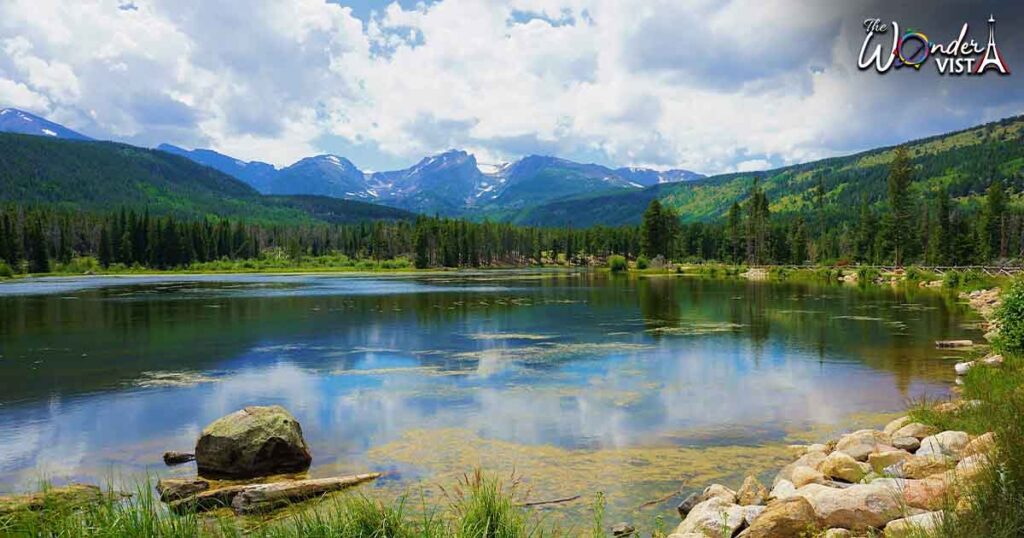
{"points": [[174, 379], [622, 474], [695, 329], [859, 318], [547, 351], [509, 336]]}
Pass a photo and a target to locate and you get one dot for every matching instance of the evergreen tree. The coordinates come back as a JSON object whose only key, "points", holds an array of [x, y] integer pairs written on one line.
{"points": [[422, 244], [798, 242], [758, 225], [940, 244], [994, 240], [105, 248], [654, 236], [867, 228], [897, 225], [734, 233], [39, 262]]}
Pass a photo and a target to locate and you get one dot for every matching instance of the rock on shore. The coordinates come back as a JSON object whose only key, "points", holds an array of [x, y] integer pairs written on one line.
{"points": [[860, 482], [255, 441]]}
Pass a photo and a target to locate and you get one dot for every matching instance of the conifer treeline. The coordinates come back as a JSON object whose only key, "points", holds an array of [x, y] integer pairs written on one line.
{"points": [[31, 239], [927, 228], [908, 228]]}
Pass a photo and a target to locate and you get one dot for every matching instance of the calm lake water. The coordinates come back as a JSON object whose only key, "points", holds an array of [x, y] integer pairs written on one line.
{"points": [[580, 382]]}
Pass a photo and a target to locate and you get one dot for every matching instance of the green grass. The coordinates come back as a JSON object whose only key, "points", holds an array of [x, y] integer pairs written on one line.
{"points": [[479, 505], [996, 499]]}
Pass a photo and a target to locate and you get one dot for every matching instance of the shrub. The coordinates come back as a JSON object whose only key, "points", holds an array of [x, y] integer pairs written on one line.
{"points": [[642, 263], [6, 271], [952, 280], [1011, 318], [914, 274], [617, 263], [868, 274]]}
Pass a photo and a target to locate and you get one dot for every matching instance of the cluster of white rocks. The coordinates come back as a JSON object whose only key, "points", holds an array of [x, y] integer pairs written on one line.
{"points": [[895, 480]]}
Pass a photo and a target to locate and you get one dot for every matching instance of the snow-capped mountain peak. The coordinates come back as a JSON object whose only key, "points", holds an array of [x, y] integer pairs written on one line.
{"points": [[13, 120]]}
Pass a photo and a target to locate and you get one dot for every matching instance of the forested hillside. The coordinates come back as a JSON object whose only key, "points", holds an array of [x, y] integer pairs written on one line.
{"points": [[965, 163], [98, 176]]}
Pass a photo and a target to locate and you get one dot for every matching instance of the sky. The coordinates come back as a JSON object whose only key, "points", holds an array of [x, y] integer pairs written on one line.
{"points": [[707, 85]]}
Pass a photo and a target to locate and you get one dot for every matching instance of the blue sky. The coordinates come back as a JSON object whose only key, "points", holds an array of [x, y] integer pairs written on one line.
{"points": [[707, 85]]}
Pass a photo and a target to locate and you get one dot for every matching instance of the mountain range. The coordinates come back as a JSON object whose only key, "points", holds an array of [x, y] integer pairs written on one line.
{"points": [[452, 183], [535, 190]]}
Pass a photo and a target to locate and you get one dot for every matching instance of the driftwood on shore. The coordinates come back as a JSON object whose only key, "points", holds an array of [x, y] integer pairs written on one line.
{"points": [[253, 498]]}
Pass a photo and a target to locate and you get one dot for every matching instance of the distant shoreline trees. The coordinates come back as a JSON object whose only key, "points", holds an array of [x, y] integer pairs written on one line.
{"points": [[911, 225]]}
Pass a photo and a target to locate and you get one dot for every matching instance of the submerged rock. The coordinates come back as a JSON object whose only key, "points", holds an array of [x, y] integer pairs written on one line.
{"points": [[255, 441], [623, 529]]}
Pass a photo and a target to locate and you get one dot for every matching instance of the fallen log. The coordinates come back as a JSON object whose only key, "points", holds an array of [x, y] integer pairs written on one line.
{"points": [[659, 500], [175, 489], [948, 344], [552, 501], [207, 500], [266, 497], [177, 458]]}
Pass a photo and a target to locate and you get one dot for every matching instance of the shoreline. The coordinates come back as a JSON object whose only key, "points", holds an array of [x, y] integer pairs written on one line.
{"points": [[897, 480]]}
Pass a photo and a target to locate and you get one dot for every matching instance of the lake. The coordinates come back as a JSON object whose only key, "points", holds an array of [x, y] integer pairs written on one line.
{"points": [[576, 382]]}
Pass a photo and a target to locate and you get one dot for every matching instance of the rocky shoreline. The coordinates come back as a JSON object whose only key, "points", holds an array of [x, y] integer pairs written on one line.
{"points": [[896, 480]]}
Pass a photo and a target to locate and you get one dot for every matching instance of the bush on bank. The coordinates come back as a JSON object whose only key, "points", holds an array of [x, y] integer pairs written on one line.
{"points": [[992, 505]]}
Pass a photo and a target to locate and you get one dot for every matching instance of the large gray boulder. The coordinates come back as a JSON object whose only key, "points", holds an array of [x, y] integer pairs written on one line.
{"points": [[255, 441]]}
